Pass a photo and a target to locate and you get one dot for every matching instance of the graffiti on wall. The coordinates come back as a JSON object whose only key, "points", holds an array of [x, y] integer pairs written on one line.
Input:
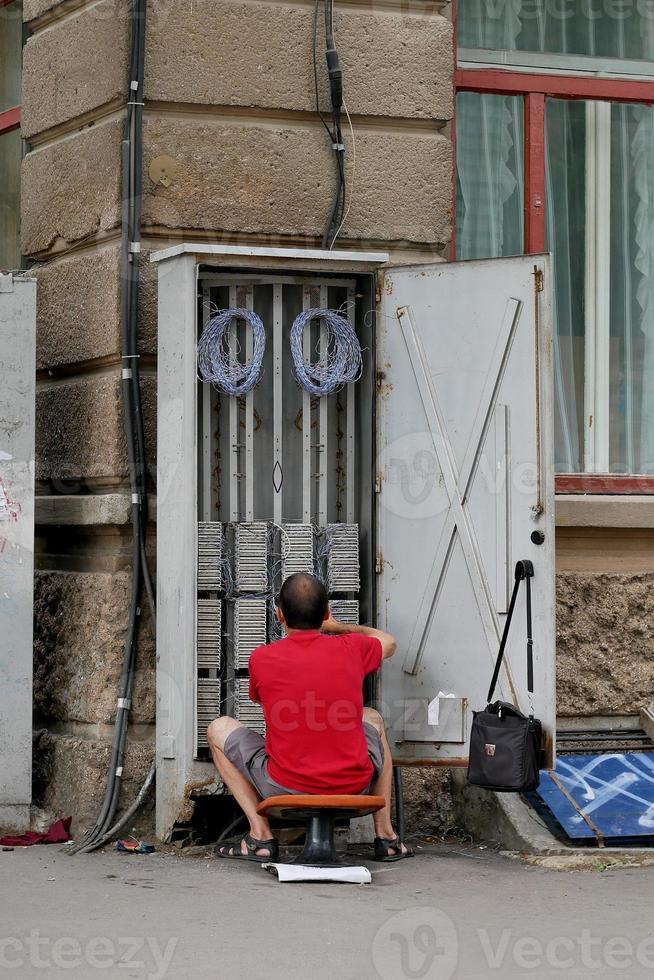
{"points": [[616, 790], [9, 508]]}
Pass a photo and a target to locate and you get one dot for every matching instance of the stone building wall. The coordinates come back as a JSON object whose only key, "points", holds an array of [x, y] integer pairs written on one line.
{"points": [[230, 102]]}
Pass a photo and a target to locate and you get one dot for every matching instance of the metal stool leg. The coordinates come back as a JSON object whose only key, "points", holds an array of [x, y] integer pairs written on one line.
{"points": [[319, 848]]}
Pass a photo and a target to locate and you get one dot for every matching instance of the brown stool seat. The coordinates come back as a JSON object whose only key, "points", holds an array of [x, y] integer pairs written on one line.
{"points": [[300, 806], [320, 813]]}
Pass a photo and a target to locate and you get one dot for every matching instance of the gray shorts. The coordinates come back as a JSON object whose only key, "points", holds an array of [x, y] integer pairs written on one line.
{"points": [[247, 751]]}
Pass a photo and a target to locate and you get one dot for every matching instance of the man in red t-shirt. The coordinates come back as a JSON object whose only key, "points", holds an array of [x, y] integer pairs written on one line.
{"points": [[319, 737]]}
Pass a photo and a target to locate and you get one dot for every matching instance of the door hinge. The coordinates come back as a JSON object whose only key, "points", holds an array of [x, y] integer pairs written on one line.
{"points": [[379, 564], [538, 274]]}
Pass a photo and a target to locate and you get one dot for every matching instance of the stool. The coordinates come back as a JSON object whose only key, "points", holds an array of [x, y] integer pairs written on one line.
{"points": [[320, 814]]}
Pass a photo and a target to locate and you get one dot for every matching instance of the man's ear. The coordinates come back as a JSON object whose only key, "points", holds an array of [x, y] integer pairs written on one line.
{"points": [[327, 615], [280, 616]]}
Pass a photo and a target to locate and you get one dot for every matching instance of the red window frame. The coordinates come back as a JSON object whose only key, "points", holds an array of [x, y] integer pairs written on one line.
{"points": [[9, 120], [535, 88]]}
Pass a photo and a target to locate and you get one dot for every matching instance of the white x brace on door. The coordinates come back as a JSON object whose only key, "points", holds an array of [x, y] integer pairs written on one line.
{"points": [[465, 477]]}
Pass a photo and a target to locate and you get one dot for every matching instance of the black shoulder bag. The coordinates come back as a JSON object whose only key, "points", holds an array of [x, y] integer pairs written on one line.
{"points": [[505, 745]]}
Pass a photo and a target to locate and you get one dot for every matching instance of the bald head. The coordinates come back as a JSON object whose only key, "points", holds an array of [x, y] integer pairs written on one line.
{"points": [[303, 602]]}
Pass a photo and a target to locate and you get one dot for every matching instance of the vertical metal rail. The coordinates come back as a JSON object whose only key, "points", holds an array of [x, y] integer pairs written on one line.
{"points": [[234, 455], [307, 515], [322, 456], [278, 409], [206, 508], [350, 510], [597, 280], [249, 417], [502, 508]]}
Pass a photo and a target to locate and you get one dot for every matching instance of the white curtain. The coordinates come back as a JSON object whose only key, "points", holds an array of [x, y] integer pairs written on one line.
{"points": [[489, 206]]}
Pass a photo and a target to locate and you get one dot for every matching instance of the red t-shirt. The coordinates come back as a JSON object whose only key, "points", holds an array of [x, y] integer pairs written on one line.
{"points": [[310, 687]]}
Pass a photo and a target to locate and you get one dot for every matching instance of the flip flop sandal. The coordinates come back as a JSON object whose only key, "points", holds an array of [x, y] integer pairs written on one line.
{"points": [[383, 846], [252, 844]]}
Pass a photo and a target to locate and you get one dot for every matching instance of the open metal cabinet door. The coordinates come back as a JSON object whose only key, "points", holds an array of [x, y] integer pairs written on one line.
{"points": [[465, 478]]}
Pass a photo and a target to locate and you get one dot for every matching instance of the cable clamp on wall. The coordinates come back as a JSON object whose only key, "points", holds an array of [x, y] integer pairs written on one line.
{"points": [[135, 246], [136, 498], [125, 703], [134, 85], [339, 147], [119, 771], [127, 374]]}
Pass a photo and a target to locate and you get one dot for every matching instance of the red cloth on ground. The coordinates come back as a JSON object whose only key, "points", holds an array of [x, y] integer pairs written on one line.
{"points": [[310, 687], [57, 833]]}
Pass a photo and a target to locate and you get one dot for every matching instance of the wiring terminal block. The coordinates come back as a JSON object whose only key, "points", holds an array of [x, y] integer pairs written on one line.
{"points": [[341, 548], [208, 706], [249, 629], [209, 626], [345, 610], [210, 555], [251, 556], [296, 549], [246, 711]]}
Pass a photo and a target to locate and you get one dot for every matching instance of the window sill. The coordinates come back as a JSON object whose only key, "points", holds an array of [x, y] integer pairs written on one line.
{"points": [[604, 510]]}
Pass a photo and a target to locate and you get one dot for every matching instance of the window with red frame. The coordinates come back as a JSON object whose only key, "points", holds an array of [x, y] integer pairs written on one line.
{"points": [[555, 151], [11, 43]]}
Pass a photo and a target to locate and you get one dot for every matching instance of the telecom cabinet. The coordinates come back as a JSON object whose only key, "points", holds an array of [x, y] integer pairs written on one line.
{"points": [[411, 491]]}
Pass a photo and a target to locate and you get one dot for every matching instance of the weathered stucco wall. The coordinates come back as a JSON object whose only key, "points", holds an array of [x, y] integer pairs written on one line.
{"points": [[605, 643], [230, 99]]}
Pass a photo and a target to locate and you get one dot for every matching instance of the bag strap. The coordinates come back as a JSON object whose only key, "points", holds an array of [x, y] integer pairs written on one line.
{"points": [[523, 570]]}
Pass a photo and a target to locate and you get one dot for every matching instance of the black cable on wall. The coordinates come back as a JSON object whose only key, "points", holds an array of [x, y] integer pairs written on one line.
{"points": [[336, 212], [106, 826]]}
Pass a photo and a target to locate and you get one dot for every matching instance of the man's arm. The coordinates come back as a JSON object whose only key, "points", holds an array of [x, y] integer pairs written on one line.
{"points": [[387, 641]]}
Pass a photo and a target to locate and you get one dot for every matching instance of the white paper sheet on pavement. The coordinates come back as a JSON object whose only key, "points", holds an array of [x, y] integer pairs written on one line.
{"points": [[305, 872]]}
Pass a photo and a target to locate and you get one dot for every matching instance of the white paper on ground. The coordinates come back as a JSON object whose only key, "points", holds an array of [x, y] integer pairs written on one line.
{"points": [[433, 708], [305, 872]]}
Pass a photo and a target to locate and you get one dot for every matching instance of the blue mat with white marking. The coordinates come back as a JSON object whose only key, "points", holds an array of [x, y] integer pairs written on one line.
{"points": [[615, 791]]}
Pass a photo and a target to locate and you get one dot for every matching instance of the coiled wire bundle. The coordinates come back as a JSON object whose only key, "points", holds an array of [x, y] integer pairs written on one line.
{"points": [[219, 365], [339, 364]]}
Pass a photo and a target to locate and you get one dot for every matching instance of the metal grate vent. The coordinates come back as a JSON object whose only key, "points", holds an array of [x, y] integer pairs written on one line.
{"points": [[251, 556], [208, 706], [250, 617], [210, 552], [341, 542], [209, 633], [247, 712]]}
